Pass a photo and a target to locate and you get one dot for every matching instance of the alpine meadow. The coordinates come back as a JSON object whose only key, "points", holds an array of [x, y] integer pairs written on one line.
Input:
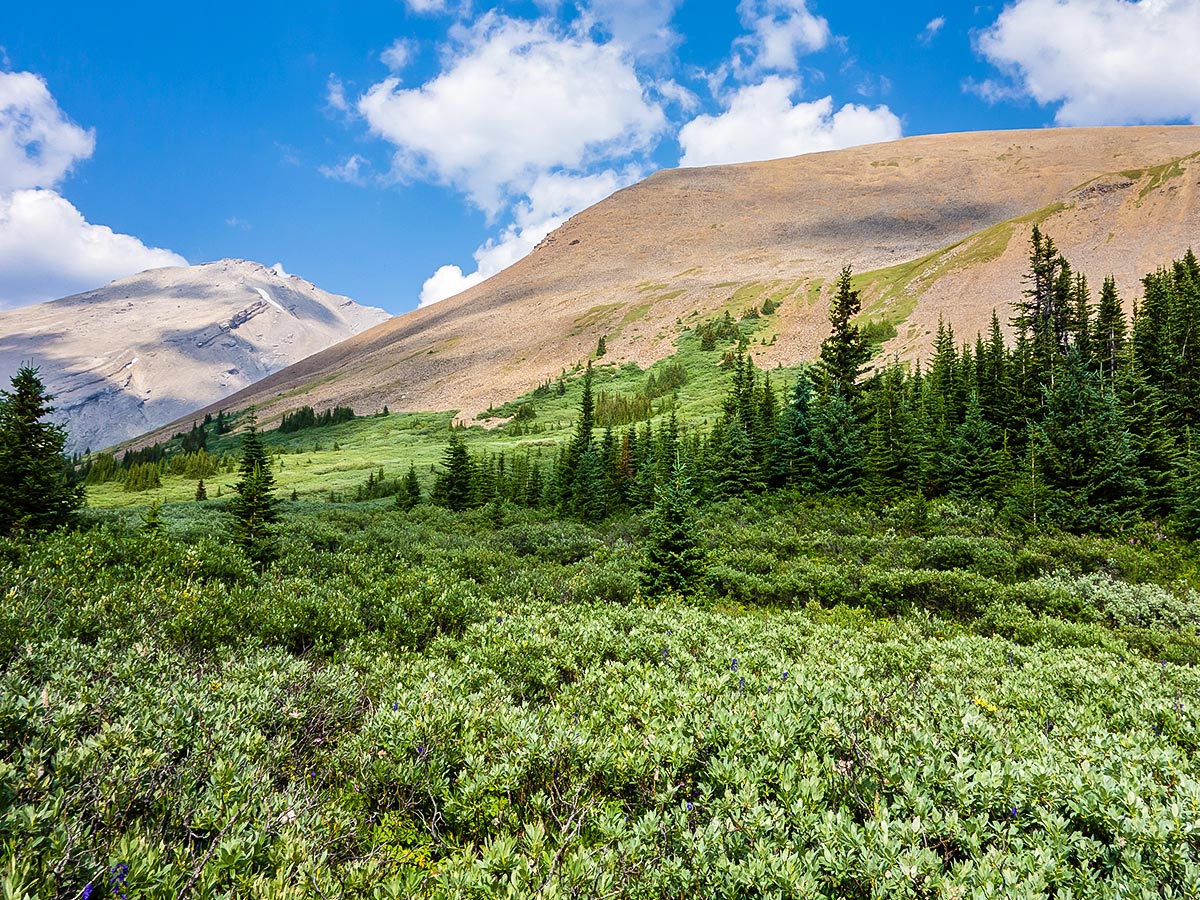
{"points": [[795, 494]]}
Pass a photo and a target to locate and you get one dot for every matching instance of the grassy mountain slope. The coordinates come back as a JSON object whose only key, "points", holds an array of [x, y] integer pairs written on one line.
{"points": [[693, 242]]}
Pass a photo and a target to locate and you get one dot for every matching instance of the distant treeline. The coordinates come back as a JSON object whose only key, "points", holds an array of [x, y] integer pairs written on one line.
{"points": [[307, 417]]}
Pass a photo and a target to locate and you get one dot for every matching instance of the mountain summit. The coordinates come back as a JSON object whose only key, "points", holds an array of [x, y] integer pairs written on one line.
{"points": [[144, 350]]}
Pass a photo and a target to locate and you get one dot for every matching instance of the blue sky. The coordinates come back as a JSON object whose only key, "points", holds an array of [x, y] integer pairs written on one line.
{"points": [[398, 151]]}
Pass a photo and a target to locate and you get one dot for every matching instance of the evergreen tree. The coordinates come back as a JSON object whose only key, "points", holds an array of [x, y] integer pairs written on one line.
{"points": [[409, 494], [893, 462], [201, 491], [837, 449], [1109, 330], [1081, 321], [846, 349], [454, 486], [674, 561], [589, 493], [37, 489], [793, 435], [1186, 517], [255, 506], [1025, 494], [737, 472], [972, 463], [1086, 455], [581, 441], [151, 518]]}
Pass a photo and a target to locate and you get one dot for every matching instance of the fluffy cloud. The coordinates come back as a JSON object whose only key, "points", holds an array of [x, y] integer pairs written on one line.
{"points": [[1108, 62], [930, 31], [398, 55], [641, 27], [48, 249], [426, 6], [38, 144], [762, 122], [780, 32], [552, 199], [516, 100]]}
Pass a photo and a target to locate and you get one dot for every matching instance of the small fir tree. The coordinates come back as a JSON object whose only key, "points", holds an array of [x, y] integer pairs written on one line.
{"points": [[846, 349], [837, 451], [674, 561], [410, 489], [152, 518], [201, 491], [255, 506], [453, 487]]}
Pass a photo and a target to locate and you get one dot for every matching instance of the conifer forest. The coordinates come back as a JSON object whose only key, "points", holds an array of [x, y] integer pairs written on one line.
{"points": [[858, 629]]}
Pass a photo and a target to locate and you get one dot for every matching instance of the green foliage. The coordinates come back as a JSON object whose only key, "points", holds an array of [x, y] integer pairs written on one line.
{"points": [[37, 492], [429, 705]]}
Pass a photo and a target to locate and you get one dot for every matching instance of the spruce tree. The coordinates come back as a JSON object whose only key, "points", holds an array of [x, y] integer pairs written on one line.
{"points": [[846, 349], [37, 490], [201, 491], [1186, 516], [971, 464], [454, 486], [674, 561], [152, 518], [409, 494], [1087, 457], [838, 448], [893, 461], [255, 506], [789, 455], [1109, 329]]}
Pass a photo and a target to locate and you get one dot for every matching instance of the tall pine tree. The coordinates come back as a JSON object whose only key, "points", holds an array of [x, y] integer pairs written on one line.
{"points": [[37, 491]]}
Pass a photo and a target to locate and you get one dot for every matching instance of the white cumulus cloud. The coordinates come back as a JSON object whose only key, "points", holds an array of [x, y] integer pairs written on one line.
{"points": [[1107, 62], [516, 99], [763, 122], [780, 32], [38, 144], [47, 248], [398, 55], [552, 199]]}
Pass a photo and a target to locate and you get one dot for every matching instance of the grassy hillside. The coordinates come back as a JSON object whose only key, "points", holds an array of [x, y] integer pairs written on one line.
{"points": [[331, 462]]}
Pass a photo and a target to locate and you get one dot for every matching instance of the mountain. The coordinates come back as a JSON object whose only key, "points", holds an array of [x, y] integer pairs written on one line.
{"points": [[934, 226], [142, 351]]}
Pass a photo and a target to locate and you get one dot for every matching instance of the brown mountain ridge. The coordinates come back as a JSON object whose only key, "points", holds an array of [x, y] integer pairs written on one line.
{"points": [[935, 227]]}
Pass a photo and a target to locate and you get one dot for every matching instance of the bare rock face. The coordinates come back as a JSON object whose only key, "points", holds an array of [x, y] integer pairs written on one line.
{"points": [[143, 351], [934, 227]]}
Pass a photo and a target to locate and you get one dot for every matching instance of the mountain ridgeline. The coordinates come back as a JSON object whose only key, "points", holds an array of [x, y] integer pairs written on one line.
{"points": [[141, 351], [934, 227]]}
